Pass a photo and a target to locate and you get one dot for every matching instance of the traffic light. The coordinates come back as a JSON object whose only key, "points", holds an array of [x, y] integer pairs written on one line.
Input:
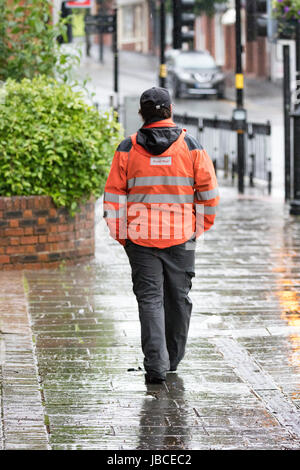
{"points": [[183, 22], [257, 19]]}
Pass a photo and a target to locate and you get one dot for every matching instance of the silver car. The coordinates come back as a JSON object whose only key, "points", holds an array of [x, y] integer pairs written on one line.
{"points": [[194, 73]]}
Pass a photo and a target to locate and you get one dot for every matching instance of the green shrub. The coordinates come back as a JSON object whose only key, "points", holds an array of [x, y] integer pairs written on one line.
{"points": [[28, 45], [52, 142]]}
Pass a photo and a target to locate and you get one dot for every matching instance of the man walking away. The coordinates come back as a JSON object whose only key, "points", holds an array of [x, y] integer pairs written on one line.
{"points": [[160, 195]]}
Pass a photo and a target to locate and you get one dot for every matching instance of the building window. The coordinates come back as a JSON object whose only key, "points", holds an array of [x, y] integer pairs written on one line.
{"points": [[128, 21]]}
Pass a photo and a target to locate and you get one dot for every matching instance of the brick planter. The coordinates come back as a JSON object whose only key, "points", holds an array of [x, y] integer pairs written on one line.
{"points": [[35, 234]]}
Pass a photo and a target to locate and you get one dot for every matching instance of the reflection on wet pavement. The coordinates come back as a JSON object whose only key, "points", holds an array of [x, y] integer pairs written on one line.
{"points": [[238, 386]]}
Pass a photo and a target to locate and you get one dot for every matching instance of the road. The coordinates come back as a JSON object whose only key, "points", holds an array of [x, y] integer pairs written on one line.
{"points": [[263, 99]]}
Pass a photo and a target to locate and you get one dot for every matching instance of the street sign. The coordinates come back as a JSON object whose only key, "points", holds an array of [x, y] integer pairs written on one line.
{"points": [[79, 4], [99, 24], [95, 24]]}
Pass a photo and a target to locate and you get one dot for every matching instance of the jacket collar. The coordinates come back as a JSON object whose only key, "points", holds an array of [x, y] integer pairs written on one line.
{"points": [[164, 123]]}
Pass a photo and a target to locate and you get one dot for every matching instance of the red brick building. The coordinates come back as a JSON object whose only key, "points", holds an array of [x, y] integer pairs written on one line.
{"points": [[134, 25]]}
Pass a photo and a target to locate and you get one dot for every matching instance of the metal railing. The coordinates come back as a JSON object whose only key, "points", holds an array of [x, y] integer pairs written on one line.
{"points": [[220, 141]]}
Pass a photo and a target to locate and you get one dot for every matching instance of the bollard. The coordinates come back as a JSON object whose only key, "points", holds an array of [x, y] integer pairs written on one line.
{"points": [[252, 172], [226, 165], [269, 182], [215, 165], [233, 172]]}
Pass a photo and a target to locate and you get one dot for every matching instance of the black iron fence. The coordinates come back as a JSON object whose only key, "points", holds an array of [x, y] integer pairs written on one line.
{"points": [[220, 141]]}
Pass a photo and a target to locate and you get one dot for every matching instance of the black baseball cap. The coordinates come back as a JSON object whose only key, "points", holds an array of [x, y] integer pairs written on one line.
{"points": [[157, 96]]}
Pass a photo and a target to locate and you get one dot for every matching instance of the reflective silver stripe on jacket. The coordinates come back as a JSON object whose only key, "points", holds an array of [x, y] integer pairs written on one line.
{"points": [[205, 210], [157, 180], [206, 195], [112, 197], [209, 210], [117, 214], [161, 198]]}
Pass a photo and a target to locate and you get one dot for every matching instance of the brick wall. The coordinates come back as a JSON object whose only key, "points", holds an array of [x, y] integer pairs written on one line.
{"points": [[257, 58], [229, 35], [209, 28], [35, 234]]}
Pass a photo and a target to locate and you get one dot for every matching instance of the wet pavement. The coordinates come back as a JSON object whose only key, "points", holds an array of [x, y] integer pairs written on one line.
{"points": [[238, 386], [22, 415]]}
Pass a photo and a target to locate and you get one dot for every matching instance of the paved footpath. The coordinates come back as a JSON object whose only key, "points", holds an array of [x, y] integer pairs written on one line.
{"points": [[22, 415], [238, 386]]}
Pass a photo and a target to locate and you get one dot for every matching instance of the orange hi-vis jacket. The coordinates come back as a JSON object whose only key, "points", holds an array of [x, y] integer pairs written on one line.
{"points": [[162, 188]]}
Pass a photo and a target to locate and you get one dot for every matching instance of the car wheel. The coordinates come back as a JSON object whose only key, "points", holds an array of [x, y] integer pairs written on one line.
{"points": [[221, 93]]}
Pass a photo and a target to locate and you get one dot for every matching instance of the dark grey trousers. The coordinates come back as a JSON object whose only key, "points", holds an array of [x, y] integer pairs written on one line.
{"points": [[162, 279]]}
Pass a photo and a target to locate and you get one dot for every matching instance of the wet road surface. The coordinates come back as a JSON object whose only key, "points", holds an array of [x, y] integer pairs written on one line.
{"points": [[238, 386]]}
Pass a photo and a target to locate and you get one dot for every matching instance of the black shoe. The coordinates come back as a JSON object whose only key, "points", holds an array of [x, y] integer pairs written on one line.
{"points": [[151, 379]]}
